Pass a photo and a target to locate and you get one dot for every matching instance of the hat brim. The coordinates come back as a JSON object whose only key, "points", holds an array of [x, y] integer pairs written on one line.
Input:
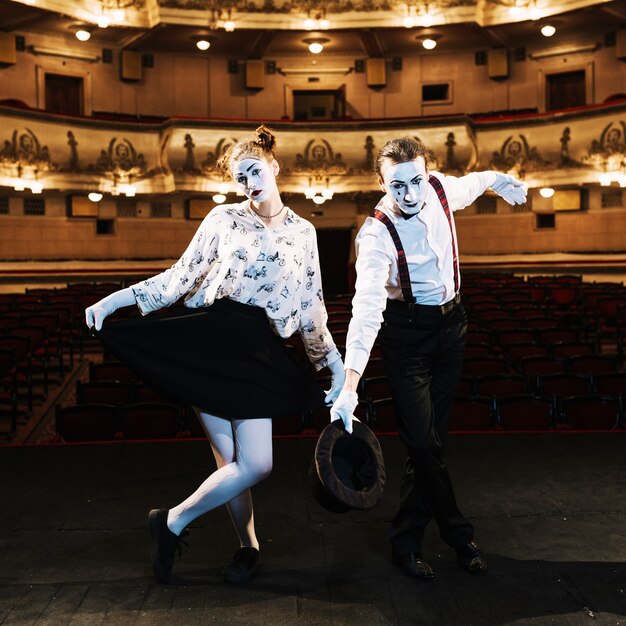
{"points": [[347, 470]]}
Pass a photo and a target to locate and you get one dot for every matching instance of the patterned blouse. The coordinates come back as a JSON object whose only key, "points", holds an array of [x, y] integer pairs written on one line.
{"points": [[234, 255]]}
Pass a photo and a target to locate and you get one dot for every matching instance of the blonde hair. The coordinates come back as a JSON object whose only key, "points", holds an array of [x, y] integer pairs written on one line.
{"points": [[262, 147]]}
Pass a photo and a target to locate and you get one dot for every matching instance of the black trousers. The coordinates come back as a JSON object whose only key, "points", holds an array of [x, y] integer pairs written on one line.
{"points": [[423, 350]]}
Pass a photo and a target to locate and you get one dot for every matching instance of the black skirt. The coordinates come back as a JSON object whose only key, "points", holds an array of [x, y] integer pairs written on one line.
{"points": [[224, 359]]}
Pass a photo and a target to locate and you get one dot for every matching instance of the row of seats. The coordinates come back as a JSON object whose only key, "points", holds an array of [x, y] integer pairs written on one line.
{"points": [[110, 422], [517, 413]]}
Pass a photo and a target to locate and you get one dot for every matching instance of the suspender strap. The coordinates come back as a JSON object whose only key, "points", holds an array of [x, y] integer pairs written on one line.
{"points": [[403, 268], [441, 194]]}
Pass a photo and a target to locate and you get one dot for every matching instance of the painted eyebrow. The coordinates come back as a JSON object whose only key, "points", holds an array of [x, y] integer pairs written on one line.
{"points": [[253, 165]]}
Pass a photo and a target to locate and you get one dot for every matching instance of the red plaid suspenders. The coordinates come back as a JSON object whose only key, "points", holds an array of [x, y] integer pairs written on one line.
{"points": [[403, 268]]}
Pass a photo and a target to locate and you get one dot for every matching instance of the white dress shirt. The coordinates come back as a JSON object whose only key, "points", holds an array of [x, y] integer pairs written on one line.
{"points": [[427, 242], [235, 255]]}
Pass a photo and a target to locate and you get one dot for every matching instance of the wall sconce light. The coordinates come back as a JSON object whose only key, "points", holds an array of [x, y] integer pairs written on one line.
{"points": [[546, 192], [222, 191], [614, 176], [316, 44], [320, 22], [317, 193]]}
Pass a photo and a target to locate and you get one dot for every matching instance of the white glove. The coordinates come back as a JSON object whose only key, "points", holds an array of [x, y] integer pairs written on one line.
{"points": [[343, 408], [511, 189], [96, 313], [337, 380]]}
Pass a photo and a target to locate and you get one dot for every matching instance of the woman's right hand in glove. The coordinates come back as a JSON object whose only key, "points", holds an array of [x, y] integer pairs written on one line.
{"points": [[96, 313]]}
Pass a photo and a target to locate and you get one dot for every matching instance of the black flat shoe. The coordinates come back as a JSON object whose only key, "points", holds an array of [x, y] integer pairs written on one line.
{"points": [[471, 558], [244, 564], [413, 565], [164, 545]]}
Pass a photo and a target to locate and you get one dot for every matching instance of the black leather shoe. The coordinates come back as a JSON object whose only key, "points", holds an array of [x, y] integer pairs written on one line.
{"points": [[244, 564], [165, 544], [471, 558], [412, 564]]}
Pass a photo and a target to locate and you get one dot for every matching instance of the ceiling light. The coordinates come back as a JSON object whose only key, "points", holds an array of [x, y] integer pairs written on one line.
{"points": [[548, 30], [429, 44], [36, 187], [95, 196], [229, 26], [319, 199], [203, 44], [408, 22], [316, 45], [83, 35], [219, 198], [546, 192], [103, 21]]}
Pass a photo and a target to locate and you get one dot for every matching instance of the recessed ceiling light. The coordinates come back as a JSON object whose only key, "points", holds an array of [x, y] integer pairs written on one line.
{"points": [[316, 44], [83, 35]]}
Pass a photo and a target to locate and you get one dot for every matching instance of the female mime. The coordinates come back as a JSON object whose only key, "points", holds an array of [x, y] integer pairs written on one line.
{"points": [[249, 277]]}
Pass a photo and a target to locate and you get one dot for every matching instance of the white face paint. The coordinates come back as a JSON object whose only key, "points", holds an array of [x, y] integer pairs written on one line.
{"points": [[406, 184], [256, 178]]}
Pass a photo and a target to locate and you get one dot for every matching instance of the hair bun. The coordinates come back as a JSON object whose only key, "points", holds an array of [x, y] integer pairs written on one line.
{"points": [[265, 138]]}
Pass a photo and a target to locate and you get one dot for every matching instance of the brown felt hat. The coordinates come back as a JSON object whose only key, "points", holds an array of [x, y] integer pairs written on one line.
{"points": [[347, 470]]}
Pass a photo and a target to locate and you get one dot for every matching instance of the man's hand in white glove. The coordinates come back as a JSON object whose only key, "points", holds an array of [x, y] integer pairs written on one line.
{"points": [[511, 189], [96, 313], [343, 408], [337, 380]]}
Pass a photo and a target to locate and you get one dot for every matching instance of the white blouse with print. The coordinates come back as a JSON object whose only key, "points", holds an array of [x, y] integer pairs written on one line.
{"points": [[234, 255]]}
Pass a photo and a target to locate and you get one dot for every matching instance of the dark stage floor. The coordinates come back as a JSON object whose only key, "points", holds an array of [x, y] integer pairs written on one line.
{"points": [[549, 511]]}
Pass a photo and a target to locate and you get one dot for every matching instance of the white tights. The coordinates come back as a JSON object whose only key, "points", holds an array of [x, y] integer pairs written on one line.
{"points": [[243, 453]]}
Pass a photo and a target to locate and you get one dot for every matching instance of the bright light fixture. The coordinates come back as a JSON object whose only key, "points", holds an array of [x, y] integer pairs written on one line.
{"points": [[203, 44], [219, 198], [548, 30], [408, 22], [429, 43], [309, 24], [95, 196], [605, 180], [316, 47], [426, 20], [229, 26], [324, 24], [319, 199], [83, 35], [546, 192], [19, 185], [36, 187]]}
